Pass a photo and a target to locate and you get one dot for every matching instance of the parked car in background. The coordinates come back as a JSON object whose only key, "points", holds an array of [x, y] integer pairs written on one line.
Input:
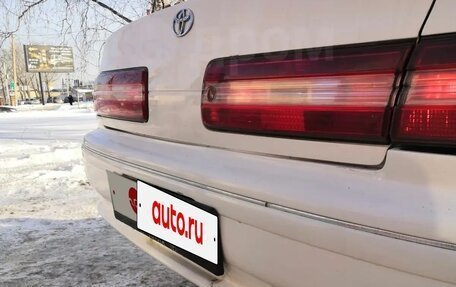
{"points": [[25, 102], [53, 100], [283, 143], [30, 102], [5, 109]]}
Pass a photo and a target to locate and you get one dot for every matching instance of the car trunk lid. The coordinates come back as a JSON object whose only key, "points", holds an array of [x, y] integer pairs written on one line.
{"points": [[224, 29]]}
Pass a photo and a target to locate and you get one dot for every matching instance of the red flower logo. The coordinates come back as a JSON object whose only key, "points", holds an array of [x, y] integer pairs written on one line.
{"points": [[133, 195]]}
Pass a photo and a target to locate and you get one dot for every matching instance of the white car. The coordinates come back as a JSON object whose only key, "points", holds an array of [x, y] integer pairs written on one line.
{"points": [[283, 143]]}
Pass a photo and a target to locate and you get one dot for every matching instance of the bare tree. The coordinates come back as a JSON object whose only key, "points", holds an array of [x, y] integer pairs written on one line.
{"points": [[82, 24], [24, 79], [26, 9]]}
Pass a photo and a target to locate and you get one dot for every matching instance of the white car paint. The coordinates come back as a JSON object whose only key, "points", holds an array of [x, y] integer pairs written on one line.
{"points": [[441, 19], [224, 28], [417, 202]]}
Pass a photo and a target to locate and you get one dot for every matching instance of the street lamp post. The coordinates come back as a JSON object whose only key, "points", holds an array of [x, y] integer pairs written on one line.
{"points": [[14, 96]]}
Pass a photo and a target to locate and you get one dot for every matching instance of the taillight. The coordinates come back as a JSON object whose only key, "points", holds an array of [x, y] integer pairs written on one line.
{"points": [[122, 94], [427, 112], [341, 93]]}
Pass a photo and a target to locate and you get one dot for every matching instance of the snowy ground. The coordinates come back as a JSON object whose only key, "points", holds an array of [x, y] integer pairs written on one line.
{"points": [[50, 232]]}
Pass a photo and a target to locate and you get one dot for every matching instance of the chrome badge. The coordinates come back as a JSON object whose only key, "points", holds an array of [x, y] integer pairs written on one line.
{"points": [[183, 22]]}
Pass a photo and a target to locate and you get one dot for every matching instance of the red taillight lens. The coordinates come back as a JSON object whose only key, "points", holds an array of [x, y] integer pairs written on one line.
{"points": [[343, 94], [427, 112], [122, 94]]}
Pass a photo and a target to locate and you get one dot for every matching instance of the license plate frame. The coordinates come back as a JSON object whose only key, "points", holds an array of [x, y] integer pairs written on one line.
{"points": [[215, 268], [121, 198]]}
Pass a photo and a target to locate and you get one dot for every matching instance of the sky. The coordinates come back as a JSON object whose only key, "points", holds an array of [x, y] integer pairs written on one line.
{"points": [[82, 27]]}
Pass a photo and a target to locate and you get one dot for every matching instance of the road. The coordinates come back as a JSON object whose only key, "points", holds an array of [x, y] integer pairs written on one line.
{"points": [[50, 232], [47, 125]]}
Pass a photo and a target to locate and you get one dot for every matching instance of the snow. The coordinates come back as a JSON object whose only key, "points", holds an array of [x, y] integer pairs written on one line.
{"points": [[53, 106], [50, 232]]}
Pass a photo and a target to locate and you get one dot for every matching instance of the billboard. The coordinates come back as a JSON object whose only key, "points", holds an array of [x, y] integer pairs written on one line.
{"points": [[48, 59]]}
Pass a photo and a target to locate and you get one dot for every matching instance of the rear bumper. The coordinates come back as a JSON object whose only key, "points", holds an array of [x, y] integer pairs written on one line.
{"points": [[287, 222]]}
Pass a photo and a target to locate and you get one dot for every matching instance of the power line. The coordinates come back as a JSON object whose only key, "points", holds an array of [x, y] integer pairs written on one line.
{"points": [[44, 35]]}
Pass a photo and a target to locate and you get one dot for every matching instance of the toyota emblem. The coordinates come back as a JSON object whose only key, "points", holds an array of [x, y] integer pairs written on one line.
{"points": [[183, 22]]}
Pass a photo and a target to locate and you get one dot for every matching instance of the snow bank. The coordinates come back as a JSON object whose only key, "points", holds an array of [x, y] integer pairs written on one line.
{"points": [[37, 107], [53, 107], [50, 232]]}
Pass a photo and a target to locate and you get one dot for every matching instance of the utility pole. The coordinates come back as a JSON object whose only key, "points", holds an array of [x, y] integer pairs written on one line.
{"points": [[68, 84], [5, 80], [14, 96], [41, 88], [76, 87]]}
